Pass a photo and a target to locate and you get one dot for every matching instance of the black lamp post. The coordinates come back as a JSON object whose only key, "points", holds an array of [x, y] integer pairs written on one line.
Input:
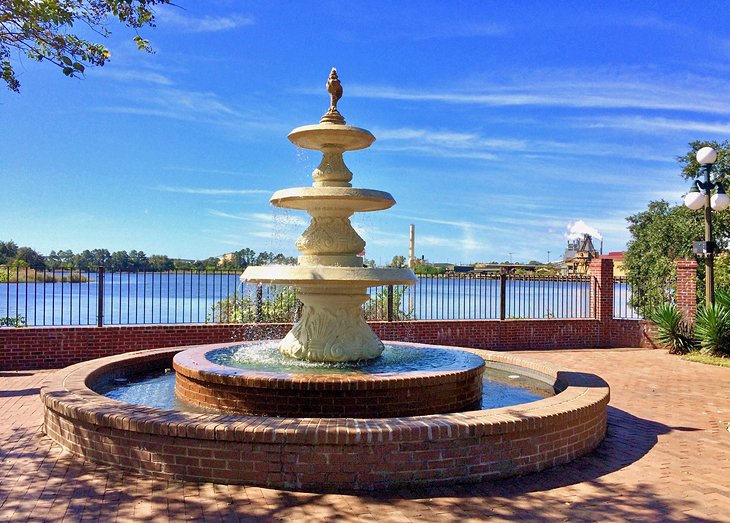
{"points": [[719, 201]]}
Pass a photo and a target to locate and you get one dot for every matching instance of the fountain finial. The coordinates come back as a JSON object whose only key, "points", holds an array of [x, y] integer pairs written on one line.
{"points": [[334, 88]]}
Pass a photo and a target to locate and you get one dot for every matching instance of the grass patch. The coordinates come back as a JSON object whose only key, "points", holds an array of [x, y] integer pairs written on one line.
{"points": [[707, 359]]}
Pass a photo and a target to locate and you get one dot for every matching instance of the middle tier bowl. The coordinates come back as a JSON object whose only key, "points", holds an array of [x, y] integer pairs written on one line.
{"points": [[328, 276], [347, 199]]}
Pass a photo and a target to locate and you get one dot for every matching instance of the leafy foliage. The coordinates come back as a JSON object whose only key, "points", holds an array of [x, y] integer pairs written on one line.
{"points": [[660, 235], [282, 306], [12, 321], [376, 308], [428, 269], [132, 261], [712, 329], [721, 167], [243, 308], [713, 326], [40, 31], [673, 331], [664, 233], [27, 275], [398, 262], [7, 251]]}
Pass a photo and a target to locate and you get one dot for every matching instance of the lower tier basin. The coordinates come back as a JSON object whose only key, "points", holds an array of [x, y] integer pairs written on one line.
{"points": [[324, 453], [403, 381]]}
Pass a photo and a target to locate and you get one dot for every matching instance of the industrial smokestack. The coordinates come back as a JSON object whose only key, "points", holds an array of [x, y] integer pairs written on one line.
{"points": [[412, 247], [601, 246]]}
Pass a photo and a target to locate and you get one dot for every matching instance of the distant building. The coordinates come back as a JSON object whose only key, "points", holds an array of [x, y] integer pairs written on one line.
{"points": [[578, 256], [223, 258], [618, 262]]}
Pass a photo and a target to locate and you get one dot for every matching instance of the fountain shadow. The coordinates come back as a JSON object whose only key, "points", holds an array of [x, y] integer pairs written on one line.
{"points": [[628, 440], [20, 392]]}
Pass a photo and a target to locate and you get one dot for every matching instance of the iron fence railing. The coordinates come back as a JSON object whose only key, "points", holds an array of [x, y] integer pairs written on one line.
{"points": [[475, 296], [73, 297], [622, 300]]}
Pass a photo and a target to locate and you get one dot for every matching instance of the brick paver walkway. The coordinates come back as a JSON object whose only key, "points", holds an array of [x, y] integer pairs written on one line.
{"points": [[666, 458]]}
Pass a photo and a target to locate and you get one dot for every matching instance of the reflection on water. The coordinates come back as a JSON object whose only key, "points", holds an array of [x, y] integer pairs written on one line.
{"points": [[157, 389]]}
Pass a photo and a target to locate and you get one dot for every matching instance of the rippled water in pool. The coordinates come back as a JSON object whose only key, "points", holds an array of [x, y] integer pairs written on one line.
{"points": [[265, 356], [157, 389]]}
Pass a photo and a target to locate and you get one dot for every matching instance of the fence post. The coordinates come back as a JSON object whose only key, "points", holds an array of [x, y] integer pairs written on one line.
{"points": [[390, 302], [259, 303], [100, 297], [502, 295]]}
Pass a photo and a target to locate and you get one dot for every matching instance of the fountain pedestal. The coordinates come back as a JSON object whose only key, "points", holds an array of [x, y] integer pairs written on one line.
{"points": [[331, 327]]}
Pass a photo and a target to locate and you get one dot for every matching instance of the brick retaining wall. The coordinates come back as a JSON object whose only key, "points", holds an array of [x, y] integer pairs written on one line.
{"points": [[56, 347]]}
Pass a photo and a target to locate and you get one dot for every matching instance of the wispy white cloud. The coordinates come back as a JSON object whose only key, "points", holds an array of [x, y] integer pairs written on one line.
{"points": [[463, 30], [174, 17], [446, 144], [646, 124], [210, 192], [130, 75], [202, 170], [600, 89], [200, 107], [179, 104], [654, 22], [264, 220], [461, 224]]}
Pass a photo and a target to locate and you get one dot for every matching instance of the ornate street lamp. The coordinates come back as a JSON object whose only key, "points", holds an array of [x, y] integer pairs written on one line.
{"points": [[700, 195]]}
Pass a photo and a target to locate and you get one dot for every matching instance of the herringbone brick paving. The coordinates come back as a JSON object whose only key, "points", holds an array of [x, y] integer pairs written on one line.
{"points": [[666, 458]]}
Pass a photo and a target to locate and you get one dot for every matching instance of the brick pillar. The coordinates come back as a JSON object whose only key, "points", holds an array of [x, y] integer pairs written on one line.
{"points": [[687, 288], [601, 272]]}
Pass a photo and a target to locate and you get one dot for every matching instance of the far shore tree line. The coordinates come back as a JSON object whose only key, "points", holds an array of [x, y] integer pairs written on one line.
{"points": [[421, 266], [11, 255]]}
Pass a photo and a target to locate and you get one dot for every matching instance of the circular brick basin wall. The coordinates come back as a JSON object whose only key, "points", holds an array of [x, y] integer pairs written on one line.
{"points": [[323, 454], [355, 395]]}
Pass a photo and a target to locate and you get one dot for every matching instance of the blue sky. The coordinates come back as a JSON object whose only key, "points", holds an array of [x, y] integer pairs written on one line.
{"points": [[499, 125]]}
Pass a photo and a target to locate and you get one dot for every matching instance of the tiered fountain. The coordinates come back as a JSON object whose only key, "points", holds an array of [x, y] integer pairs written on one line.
{"points": [[332, 284], [331, 280], [369, 425]]}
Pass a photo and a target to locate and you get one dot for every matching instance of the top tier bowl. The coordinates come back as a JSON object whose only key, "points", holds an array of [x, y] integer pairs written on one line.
{"points": [[335, 136]]}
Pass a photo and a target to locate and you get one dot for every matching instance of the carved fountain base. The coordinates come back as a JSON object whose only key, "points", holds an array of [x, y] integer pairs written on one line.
{"points": [[331, 327]]}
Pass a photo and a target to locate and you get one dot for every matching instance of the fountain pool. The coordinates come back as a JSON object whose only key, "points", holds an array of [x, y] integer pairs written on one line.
{"points": [[324, 454]]}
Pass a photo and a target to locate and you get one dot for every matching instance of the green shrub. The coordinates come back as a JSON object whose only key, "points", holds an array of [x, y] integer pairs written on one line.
{"points": [[673, 331], [712, 329], [12, 321], [280, 307], [376, 308]]}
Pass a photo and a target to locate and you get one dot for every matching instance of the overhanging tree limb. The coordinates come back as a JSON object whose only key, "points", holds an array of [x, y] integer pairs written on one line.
{"points": [[41, 30]]}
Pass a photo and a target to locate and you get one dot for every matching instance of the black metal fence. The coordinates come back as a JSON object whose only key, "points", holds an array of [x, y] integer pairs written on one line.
{"points": [[622, 299], [472, 296], [72, 297]]}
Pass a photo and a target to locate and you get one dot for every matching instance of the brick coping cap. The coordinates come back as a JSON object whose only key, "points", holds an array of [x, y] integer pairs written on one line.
{"points": [[194, 364]]}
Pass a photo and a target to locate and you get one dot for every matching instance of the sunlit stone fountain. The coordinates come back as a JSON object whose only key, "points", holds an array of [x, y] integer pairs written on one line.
{"points": [[331, 280], [337, 409]]}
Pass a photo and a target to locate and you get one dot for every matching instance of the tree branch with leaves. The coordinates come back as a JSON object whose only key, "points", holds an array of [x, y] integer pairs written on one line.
{"points": [[42, 30]]}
